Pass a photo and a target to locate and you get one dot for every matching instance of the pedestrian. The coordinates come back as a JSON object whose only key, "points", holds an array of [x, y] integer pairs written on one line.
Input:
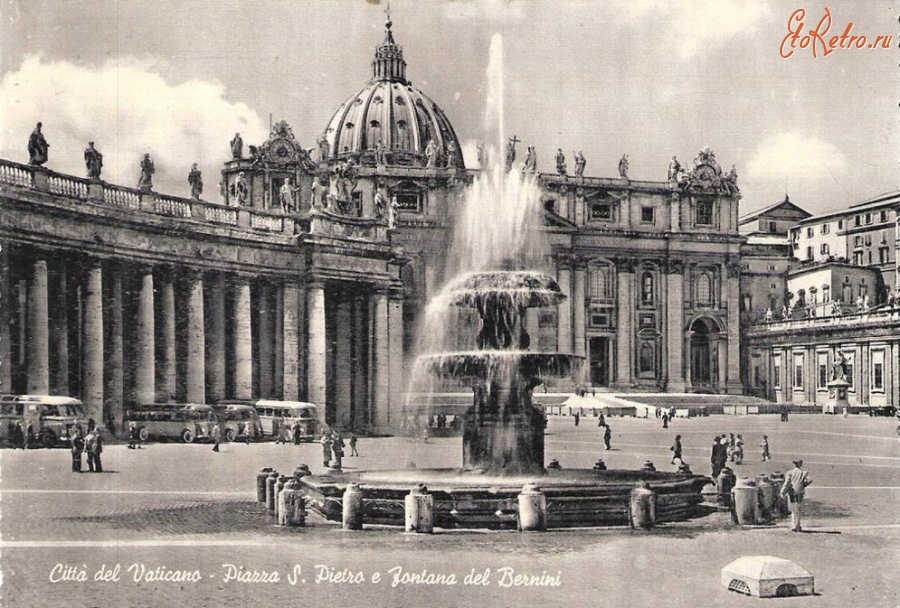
{"points": [[134, 436], [353, 440], [765, 448], [295, 432], [326, 449], [30, 437], [731, 447], [281, 435], [95, 448], [91, 426], [11, 433], [795, 482], [601, 420], [216, 435], [739, 450], [719, 455], [77, 449], [337, 448], [577, 418], [665, 419], [607, 436], [676, 450], [89, 444]]}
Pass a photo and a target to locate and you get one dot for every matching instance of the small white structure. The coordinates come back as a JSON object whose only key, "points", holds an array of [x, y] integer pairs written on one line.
{"points": [[767, 576]]}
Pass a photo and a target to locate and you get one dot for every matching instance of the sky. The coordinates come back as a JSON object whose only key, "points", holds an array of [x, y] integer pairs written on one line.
{"points": [[648, 78]]}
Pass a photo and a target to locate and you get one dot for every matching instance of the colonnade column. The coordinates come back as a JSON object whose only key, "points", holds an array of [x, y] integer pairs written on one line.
{"points": [[722, 359], [264, 310], [624, 330], [5, 308], [733, 384], [381, 352], [360, 359], [196, 340], [564, 308], [59, 330], [578, 288], [243, 341], [114, 389], [316, 364], [278, 344], [290, 342], [92, 370], [167, 371], [145, 360], [343, 377], [214, 310], [675, 382], [395, 356], [38, 330]]}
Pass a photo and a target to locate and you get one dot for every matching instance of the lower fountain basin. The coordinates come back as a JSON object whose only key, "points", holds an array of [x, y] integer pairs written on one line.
{"points": [[476, 363], [469, 500]]}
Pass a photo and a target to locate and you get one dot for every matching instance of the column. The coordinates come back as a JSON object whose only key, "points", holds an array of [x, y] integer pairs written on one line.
{"points": [[624, 330], [167, 366], [343, 377], [381, 361], [92, 390], [395, 357], [145, 355], [579, 321], [291, 342], [195, 366], [722, 360], [266, 324], [360, 363], [114, 388], [59, 330], [6, 306], [214, 309], [38, 331], [243, 341], [278, 343], [564, 308], [315, 352], [734, 329], [674, 351]]}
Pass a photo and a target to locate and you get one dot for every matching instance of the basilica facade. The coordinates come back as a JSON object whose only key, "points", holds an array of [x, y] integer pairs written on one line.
{"points": [[308, 280]]}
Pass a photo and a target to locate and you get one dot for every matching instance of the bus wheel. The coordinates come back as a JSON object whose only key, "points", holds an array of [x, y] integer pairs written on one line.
{"points": [[48, 439], [187, 436], [143, 433], [229, 435]]}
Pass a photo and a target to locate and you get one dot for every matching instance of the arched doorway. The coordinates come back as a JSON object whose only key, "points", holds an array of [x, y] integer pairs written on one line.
{"points": [[704, 360]]}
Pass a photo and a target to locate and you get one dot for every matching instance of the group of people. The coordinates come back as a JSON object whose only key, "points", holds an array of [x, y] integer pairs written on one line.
{"points": [[731, 448], [20, 438], [288, 433], [333, 448], [90, 444]]}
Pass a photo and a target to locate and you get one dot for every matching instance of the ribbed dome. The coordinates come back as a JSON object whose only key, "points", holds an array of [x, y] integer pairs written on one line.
{"points": [[390, 109]]}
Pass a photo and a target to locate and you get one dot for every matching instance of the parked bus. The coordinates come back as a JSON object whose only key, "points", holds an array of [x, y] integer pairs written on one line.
{"points": [[51, 417], [238, 420], [185, 421], [272, 414]]}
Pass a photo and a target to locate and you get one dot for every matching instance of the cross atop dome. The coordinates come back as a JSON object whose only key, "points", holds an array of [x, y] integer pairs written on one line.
{"points": [[389, 64]]}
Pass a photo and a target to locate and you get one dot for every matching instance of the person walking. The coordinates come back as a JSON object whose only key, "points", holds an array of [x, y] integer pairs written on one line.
{"points": [[739, 450], [216, 436], [295, 432], [89, 440], [665, 419], [337, 448], [765, 448], [77, 449], [353, 440], [95, 448], [601, 419], [30, 437], [719, 455], [676, 450], [577, 418], [607, 437], [326, 449], [794, 488], [134, 436]]}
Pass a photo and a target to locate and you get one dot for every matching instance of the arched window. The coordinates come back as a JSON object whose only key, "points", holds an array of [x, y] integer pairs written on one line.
{"points": [[645, 358], [601, 282], [647, 288], [704, 289]]}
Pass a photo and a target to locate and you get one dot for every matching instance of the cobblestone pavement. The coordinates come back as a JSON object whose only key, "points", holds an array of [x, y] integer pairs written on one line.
{"points": [[182, 511]]}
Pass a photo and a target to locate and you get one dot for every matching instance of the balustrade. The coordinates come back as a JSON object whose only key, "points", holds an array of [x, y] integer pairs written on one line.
{"points": [[266, 222], [172, 206], [220, 215], [68, 186], [119, 197], [16, 175]]}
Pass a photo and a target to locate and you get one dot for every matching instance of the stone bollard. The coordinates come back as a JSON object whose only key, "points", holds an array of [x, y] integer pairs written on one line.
{"points": [[767, 498], [643, 506], [419, 509], [279, 486], [782, 508], [352, 515], [261, 484], [724, 483], [745, 502], [271, 480], [532, 509], [291, 505]]}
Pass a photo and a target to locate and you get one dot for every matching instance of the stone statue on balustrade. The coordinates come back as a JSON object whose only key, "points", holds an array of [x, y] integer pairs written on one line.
{"points": [[530, 165], [145, 183], [560, 162], [511, 152], [195, 179], [343, 182], [393, 213], [237, 147], [430, 155], [674, 169], [93, 160], [38, 148], [836, 308], [769, 314], [286, 195], [580, 163], [242, 189], [729, 181], [323, 148], [451, 155], [379, 204], [380, 156], [623, 166], [785, 313], [839, 371]]}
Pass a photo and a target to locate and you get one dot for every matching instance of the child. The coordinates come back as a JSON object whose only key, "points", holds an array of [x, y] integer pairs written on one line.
{"points": [[353, 440], [765, 448], [739, 450]]}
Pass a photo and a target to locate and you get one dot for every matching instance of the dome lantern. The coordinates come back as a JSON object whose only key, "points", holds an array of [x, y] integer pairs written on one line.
{"points": [[388, 64]]}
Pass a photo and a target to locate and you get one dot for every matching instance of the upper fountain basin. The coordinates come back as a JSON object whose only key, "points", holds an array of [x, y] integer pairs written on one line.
{"points": [[524, 288]]}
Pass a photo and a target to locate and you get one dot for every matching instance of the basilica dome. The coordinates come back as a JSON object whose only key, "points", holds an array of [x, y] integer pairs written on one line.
{"points": [[392, 119]]}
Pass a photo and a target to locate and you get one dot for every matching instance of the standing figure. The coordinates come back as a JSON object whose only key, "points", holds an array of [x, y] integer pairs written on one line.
{"points": [[739, 450], [237, 147], [623, 166], [89, 446], [393, 213], [242, 189], [607, 436], [560, 162], [794, 488], [93, 160], [295, 432], [601, 419], [530, 161], [134, 436], [676, 450], [580, 163], [77, 449], [195, 179], [765, 448], [323, 148], [38, 148], [430, 154], [97, 450], [30, 437], [216, 436], [665, 420], [286, 195], [451, 155], [147, 171], [337, 448], [379, 205], [379, 152], [353, 441], [674, 169], [326, 449], [577, 418]]}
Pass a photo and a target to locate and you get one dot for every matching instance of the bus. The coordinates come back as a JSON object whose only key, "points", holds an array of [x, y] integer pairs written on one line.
{"points": [[238, 420], [272, 414], [52, 417], [187, 422]]}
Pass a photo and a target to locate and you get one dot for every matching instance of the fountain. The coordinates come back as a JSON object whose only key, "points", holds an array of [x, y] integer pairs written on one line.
{"points": [[497, 237]]}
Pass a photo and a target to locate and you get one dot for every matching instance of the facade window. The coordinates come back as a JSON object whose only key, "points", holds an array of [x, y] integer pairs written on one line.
{"points": [[798, 371], [884, 215], [705, 213], [868, 218], [878, 370], [601, 212], [547, 319], [883, 255], [849, 377], [645, 358], [823, 371], [810, 231], [776, 373], [858, 241], [809, 253], [602, 317], [601, 283], [825, 249], [704, 289], [409, 201], [773, 227], [840, 224], [647, 288], [826, 293], [868, 239], [826, 228], [847, 294], [870, 257], [647, 215], [857, 258], [857, 221]]}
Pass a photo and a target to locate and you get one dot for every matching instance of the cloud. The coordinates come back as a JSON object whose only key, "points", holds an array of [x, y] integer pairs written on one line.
{"points": [[795, 156], [127, 107], [493, 11], [696, 26]]}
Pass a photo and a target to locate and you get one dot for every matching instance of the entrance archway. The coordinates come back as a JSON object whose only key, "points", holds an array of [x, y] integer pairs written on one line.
{"points": [[704, 360], [599, 361]]}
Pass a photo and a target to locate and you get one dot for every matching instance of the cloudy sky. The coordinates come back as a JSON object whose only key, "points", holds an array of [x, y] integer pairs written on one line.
{"points": [[651, 78]]}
